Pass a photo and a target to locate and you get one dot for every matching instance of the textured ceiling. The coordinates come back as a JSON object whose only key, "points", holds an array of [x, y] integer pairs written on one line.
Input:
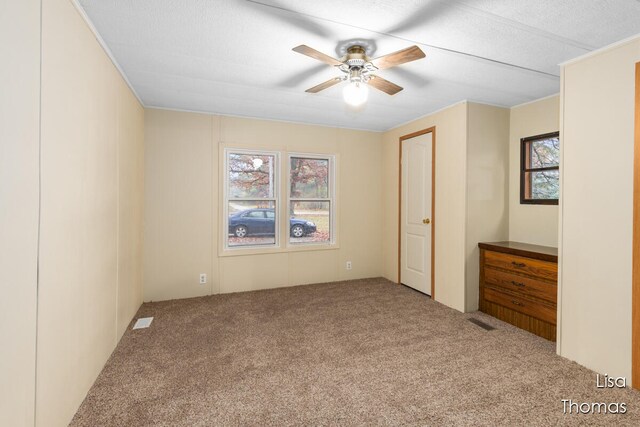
{"points": [[234, 56]]}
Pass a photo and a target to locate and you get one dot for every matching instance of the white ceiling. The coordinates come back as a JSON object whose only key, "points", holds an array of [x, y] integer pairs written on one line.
{"points": [[234, 56]]}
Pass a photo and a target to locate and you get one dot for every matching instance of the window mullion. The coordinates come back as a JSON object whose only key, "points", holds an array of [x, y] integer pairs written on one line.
{"points": [[548, 168], [251, 199]]}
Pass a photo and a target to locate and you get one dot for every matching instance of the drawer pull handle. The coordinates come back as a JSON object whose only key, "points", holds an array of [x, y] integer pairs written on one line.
{"points": [[517, 303], [519, 264], [513, 282]]}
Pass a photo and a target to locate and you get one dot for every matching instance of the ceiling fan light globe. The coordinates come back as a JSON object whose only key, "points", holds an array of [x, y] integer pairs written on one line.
{"points": [[355, 94], [257, 163]]}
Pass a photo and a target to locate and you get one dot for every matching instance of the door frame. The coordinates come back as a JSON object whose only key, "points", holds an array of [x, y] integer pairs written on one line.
{"points": [[635, 268], [432, 131]]}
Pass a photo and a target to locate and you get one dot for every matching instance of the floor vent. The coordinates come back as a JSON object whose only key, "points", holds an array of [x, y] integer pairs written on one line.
{"points": [[480, 323], [143, 322]]}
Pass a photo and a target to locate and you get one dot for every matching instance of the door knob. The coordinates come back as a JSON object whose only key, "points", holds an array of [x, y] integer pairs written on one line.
{"points": [[426, 221]]}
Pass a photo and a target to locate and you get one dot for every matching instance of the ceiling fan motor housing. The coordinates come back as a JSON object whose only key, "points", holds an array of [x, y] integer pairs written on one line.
{"points": [[356, 60]]}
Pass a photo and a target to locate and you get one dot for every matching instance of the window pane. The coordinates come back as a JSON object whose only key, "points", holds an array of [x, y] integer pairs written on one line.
{"points": [[251, 176], [544, 153], [252, 223], [259, 214], [309, 178], [543, 185], [309, 222]]}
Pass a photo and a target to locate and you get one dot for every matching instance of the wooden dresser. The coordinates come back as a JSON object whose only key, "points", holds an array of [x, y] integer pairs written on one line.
{"points": [[519, 284]]}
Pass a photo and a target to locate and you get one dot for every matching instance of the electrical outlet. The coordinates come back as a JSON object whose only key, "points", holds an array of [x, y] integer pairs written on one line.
{"points": [[349, 266], [203, 278]]}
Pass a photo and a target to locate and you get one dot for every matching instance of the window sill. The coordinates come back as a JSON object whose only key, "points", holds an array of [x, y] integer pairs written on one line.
{"points": [[540, 202], [223, 252]]}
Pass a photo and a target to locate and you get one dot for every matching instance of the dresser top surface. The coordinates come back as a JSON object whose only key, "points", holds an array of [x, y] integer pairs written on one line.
{"points": [[545, 253]]}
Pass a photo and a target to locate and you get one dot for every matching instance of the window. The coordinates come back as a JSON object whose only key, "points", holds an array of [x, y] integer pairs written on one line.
{"points": [[540, 169], [252, 206], [251, 198], [311, 199]]}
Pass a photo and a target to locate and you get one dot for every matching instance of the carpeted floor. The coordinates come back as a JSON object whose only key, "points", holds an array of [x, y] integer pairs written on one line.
{"points": [[364, 352]]}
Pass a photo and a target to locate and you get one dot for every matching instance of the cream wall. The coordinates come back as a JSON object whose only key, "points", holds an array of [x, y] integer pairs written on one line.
{"points": [[183, 212], [91, 212], [536, 224], [130, 147], [487, 188], [19, 141], [596, 209], [471, 166], [450, 201], [179, 185]]}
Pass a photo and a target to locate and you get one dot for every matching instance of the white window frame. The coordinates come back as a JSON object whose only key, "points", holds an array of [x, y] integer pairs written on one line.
{"points": [[275, 199], [331, 199]]}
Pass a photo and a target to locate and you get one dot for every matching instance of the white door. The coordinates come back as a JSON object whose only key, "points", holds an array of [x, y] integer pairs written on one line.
{"points": [[415, 222]]}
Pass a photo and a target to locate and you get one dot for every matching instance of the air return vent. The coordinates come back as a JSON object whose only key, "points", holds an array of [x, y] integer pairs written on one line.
{"points": [[480, 323], [143, 322]]}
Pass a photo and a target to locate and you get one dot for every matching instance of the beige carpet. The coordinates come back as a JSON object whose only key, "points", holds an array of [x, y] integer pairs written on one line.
{"points": [[364, 352]]}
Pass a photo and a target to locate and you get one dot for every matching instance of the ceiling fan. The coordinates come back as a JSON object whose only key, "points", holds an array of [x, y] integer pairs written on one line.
{"points": [[358, 69]]}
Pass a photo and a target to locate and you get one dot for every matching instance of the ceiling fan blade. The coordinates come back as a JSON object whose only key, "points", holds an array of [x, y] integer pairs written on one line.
{"points": [[423, 16], [295, 79], [325, 85], [400, 57], [306, 50], [384, 85], [409, 76], [290, 17]]}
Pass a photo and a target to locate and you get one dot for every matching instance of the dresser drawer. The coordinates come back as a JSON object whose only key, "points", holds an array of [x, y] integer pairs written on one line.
{"points": [[517, 264], [526, 286], [522, 305]]}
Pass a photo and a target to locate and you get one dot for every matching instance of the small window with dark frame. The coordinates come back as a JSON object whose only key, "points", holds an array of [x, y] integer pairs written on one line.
{"points": [[540, 169]]}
